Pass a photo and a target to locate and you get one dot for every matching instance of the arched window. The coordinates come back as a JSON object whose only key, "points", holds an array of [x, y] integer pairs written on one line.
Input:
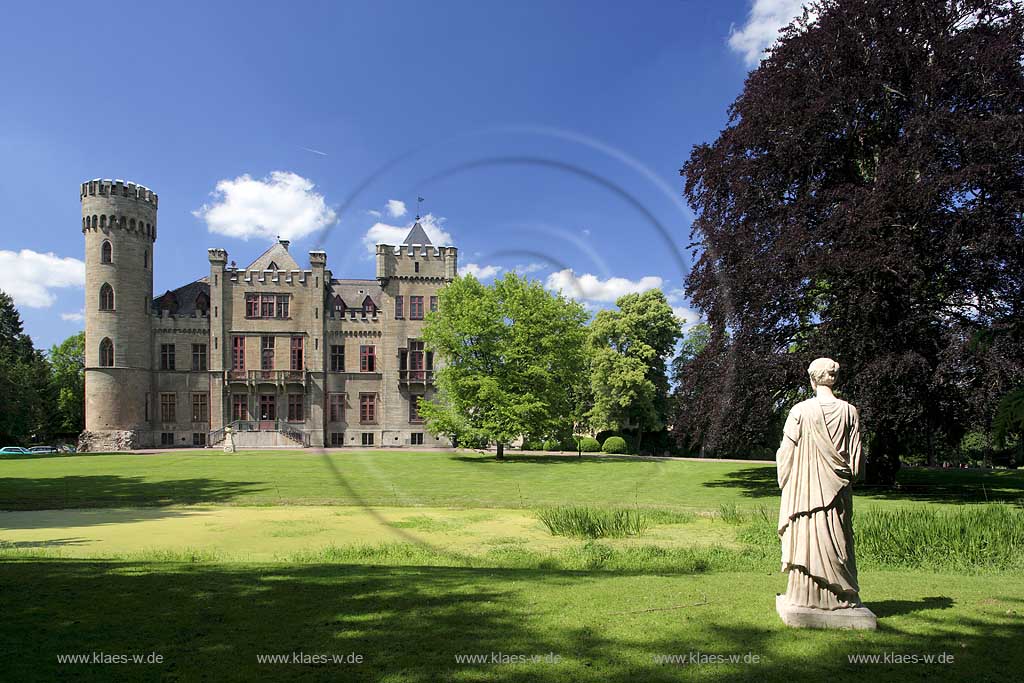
{"points": [[131, 223], [106, 297], [103, 221], [106, 353], [145, 258], [124, 222], [106, 252], [94, 223]]}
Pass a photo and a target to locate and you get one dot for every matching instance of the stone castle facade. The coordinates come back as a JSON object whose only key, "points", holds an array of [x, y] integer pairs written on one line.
{"points": [[287, 356]]}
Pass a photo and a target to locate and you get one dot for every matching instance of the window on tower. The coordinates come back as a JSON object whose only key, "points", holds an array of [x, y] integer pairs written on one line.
{"points": [[106, 353], [416, 308], [106, 297], [106, 252]]}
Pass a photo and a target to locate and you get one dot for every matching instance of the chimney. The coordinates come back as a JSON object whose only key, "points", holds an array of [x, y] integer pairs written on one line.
{"points": [[284, 243]]}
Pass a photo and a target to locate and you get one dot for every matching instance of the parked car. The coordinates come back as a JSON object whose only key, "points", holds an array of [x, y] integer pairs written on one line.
{"points": [[43, 449], [67, 448], [14, 450]]}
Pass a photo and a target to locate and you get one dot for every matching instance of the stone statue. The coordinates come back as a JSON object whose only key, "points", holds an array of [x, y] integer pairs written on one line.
{"points": [[229, 440], [818, 461]]}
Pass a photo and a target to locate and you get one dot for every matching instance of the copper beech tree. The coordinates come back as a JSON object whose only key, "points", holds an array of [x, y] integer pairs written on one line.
{"points": [[864, 203]]}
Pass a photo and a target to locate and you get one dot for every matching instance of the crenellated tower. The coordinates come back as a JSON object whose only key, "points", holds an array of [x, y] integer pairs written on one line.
{"points": [[119, 222]]}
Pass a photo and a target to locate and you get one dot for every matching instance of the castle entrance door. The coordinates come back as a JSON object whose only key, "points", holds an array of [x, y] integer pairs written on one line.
{"points": [[268, 412]]}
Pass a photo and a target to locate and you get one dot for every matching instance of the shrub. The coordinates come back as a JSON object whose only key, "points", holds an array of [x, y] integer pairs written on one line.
{"points": [[552, 445], [589, 444], [588, 522], [614, 444], [531, 445]]}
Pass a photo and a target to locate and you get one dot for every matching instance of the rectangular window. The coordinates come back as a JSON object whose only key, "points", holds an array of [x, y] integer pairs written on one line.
{"points": [[267, 306], [166, 438], [297, 363], [252, 305], [416, 360], [168, 407], [268, 407], [367, 438], [199, 439], [433, 305], [414, 407], [367, 408], [282, 305], [415, 308], [337, 358], [238, 353], [337, 438], [239, 407], [200, 407], [295, 411], [367, 359], [399, 307], [416, 438], [267, 353], [336, 405], [199, 356], [167, 356]]}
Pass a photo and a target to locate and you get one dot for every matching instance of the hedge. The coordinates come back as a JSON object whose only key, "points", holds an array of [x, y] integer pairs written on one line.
{"points": [[614, 444]]}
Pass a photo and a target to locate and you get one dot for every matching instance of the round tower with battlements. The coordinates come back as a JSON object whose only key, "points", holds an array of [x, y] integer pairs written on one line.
{"points": [[119, 225]]}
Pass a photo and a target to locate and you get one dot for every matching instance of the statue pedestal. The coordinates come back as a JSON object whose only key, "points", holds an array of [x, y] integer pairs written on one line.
{"points": [[859, 618]]}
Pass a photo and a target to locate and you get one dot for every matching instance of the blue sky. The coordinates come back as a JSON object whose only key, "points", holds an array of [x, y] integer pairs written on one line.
{"points": [[544, 136]]}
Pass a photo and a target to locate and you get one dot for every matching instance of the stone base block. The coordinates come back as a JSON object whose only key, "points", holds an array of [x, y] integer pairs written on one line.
{"points": [[859, 618], [115, 441]]}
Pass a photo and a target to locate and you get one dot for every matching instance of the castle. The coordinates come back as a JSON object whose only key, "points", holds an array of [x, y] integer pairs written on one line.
{"points": [[287, 356]]}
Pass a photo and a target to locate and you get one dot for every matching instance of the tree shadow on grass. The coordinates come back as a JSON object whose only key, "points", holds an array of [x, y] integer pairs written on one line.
{"points": [[408, 624], [54, 493], [914, 484], [512, 459], [889, 608]]}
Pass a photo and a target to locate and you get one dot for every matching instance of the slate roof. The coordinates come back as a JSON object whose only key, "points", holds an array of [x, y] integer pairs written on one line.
{"points": [[277, 254], [417, 235], [185, 297], [354, 292]]}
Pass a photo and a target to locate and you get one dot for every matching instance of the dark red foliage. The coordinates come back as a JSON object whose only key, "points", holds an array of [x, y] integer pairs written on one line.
{"points": [[865, 203]]}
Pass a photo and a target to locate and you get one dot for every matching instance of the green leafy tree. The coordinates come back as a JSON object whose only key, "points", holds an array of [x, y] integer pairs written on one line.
{"points": [[68, 362], [26, 387], [513, 360], [629, 351]]}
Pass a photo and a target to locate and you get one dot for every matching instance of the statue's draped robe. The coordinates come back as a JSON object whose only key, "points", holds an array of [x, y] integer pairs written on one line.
{"points": [[819, 458]]}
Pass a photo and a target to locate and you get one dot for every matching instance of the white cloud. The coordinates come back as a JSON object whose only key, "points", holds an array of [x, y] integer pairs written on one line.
{"points": [[28, 276], [592, 288], [762, 27], [586, 231], [383, 233], [283, 204], [478, 271], [73, 317], [396, 208], [689, 316], [374, 213]]}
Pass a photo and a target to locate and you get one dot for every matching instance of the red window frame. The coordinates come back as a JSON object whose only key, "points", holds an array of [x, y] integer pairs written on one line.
{"points": [[296, 408], [239, 407], [415, 308], [367, 358], [433, 304], [336, 405], [367, 409], [296, 354], [238, 353], [266, 353], [414, 408]]}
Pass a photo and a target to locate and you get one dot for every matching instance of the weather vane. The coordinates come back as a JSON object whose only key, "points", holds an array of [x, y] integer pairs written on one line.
{"points": [[419, 200]]}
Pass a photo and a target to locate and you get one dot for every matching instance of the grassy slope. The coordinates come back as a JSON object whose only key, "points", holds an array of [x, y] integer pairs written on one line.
{"points": [[409, 622], [433, 479]]}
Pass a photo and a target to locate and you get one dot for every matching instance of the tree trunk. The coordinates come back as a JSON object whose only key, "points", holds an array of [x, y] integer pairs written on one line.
{"points": [[501, 451], [883, 460], [639, 439]]}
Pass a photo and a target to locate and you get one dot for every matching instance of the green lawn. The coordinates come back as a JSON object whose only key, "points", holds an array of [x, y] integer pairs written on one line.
{"points": [[435, 479], [411, 559]]}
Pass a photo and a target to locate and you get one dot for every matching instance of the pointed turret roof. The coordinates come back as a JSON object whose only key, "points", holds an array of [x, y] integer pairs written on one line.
{"points": [[278, 255], [417, 235]]}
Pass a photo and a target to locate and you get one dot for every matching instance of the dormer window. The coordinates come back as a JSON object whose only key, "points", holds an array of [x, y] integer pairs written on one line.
{"points": [[272, 266]]}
